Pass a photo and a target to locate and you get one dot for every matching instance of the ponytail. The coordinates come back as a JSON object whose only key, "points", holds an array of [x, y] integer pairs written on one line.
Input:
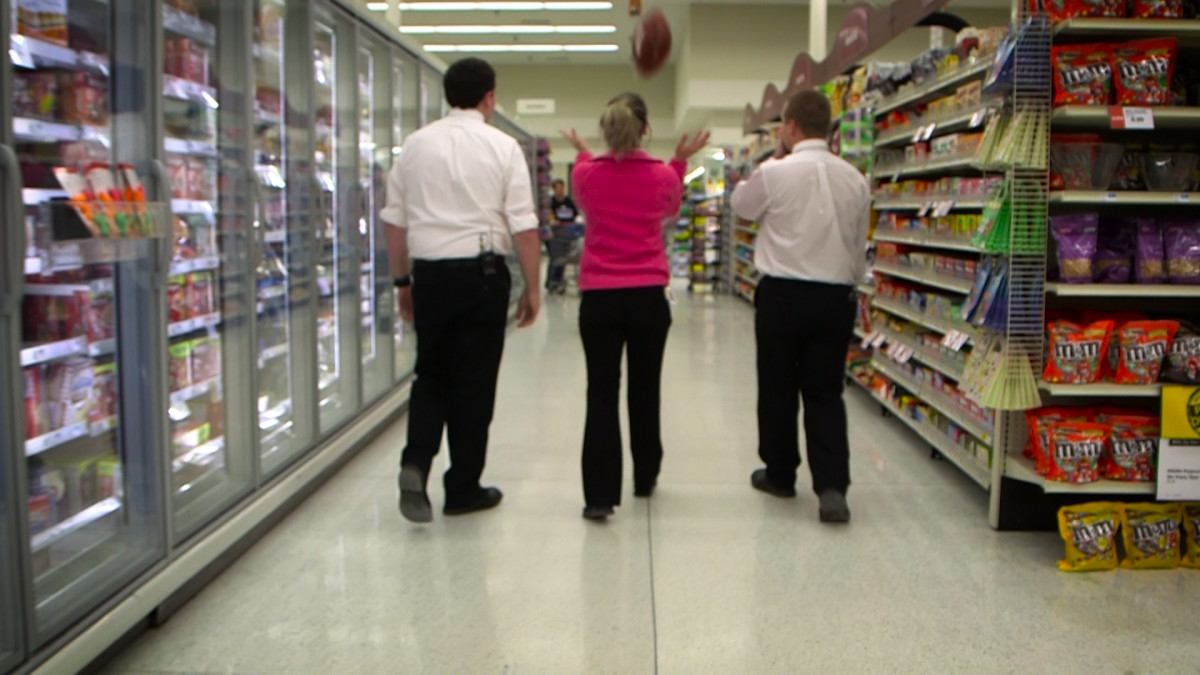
{"points": [[624, 123]]}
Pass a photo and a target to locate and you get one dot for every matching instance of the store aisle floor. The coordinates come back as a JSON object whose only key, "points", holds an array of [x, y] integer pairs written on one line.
{"points": [[708, 576]]}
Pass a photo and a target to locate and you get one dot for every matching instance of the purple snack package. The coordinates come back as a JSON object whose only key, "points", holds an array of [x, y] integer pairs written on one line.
{"points": [[1114, 251], [1075, 235], [1148, 256], [1181, 245]]}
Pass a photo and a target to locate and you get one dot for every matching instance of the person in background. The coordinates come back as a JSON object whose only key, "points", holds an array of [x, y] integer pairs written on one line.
{"points": [[563, 210], [625, 194], [813, 211], [459, 200]]}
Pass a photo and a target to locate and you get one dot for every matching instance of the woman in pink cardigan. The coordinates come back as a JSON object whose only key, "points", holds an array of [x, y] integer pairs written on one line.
{"points": [[625, 195]]}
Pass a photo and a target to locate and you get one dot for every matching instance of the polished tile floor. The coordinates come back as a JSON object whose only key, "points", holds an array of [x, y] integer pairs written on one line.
{"points": [[707, 577]]}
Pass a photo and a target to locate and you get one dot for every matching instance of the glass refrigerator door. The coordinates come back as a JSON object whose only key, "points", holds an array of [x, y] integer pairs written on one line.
{"points": [[431, 94], [204, 149], [339, 263], [406, 118], [281, 230], [10, 590], [90, 461], [374, 161]]}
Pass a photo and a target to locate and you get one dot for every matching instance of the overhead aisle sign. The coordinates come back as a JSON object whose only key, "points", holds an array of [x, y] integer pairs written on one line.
{"points": [[1179, 447]]}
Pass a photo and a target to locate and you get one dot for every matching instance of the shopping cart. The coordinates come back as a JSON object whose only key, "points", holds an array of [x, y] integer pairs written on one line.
{"points": [[565, 245]]}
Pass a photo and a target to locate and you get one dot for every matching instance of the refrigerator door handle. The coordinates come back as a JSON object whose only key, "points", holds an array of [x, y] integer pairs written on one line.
{"points": [[11, 280], [167, 243]]}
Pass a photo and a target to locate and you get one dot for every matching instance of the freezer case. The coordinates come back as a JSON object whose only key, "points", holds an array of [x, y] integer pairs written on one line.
{"points": [[10, 590], [406, 118], [206, 92]]}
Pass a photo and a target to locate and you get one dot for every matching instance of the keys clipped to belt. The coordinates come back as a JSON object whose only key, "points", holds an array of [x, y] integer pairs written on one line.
{"points": [[487, 259]]}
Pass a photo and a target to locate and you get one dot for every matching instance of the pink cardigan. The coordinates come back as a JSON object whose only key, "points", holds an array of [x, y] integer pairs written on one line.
{"points": [[625, 202]]}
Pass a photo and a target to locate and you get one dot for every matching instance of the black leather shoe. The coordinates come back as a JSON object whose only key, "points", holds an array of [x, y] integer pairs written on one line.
{"points": [[488, 498], [762, 482], [644, 491], [833, 507], [414, 503], [597, 513]]}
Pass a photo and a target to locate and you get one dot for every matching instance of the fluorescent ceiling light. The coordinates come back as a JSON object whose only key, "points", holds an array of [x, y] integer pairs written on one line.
{"points": [[511, 6], [531, 48], [719, 155], [696, 173], [377, 6], [534, 29]]}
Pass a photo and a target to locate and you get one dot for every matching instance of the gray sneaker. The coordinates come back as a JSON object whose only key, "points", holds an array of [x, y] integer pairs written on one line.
{"points": [[834, 508], [414, 503]]}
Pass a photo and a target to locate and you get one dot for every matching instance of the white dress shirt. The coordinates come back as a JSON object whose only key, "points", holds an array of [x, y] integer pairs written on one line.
{"points": [[813, 211], [458, 183]]}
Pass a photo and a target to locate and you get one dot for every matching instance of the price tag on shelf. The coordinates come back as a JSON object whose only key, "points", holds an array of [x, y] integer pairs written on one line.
{"points": [[929, 132], [924, 209], [1121, 117], [1110, 196], [866, 341], [1183, 197], [960, 341], [943, 209], [879, 340], [903, 354], [916, 137], [977, 118], [19, 52]]}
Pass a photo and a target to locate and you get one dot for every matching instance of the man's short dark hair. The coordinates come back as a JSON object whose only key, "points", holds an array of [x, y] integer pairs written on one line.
{"points": [[809, 109], [467, 81], [557, 182]]}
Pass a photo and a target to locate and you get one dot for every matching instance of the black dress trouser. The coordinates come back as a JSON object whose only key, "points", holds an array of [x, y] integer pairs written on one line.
{"points": [[802, 329], [635, 321], [461, 315]]}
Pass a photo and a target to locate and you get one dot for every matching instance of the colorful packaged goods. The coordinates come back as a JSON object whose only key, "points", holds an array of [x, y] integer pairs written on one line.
{"points": [[1191, 531], [1151, 533], [1142, 347], [180, 365], [1076, 351], [1181, 246], [206, 358], [1142, 71], [1076, 450], [1038, 447], [1075, 236], [1183, 358], [1083, 74], [177, 299], [1108, 9], [1090, 534], [1132, 447], [1156, 9], [43, 19], [1148, 253], [1114, 251]]}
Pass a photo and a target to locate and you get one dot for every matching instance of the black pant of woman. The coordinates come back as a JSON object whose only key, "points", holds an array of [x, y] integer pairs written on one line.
{"points": [[636, 321]]}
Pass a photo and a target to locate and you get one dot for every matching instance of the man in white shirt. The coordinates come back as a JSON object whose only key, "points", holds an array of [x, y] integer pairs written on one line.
{"points": [[813, 213], [459, 200]]}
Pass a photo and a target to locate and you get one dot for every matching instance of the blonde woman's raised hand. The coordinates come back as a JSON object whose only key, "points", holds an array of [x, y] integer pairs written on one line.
{"points": [[573, 138], [690, 145]]}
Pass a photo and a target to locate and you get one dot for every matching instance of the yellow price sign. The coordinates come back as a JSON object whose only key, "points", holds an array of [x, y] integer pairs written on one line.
{"points": [[1180, 412]]}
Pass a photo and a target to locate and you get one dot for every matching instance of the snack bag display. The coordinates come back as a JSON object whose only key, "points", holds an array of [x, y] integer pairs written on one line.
{"points": [[1114, 252], [1109, 9], [1191, 532], [1148, 253], [1083, 74], [1181, 248], [1075, 351], [1151, 534], [1156, 9], [1076, 450], [1132, 447], [1075, 236], [1142, 347], [1090, 534], [1142, 71], [1040, 421], [1183, 358]]}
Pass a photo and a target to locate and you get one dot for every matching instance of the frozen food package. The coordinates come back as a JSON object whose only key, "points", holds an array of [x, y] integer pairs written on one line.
{"points": [[179, 365]]}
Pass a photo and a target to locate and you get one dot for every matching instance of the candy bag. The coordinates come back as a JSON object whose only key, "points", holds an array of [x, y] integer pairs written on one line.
{"points": [[1114, 251], [1183, 358], [1148, 255], [1110, 9], [1191, 531], [1076, 450], [1132, 446], [1143, 346], [1156, 9], [1083, 74], [1090, 534], [1040, 421], [1075, 351], [1181, 246], [1142, 71], [1076, 238], [1151, 533]]}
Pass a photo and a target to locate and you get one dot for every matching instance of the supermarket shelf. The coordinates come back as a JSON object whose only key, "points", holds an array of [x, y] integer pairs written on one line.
{"points": [[268, 52], [747, 230], [934, 436], [197, 390], [93, 513], [182, 146], [40, 131], [1119, 197], [1186, 31], [918, 204], [95, 287], [948, 165], [272, 353], [1122, 290], [34, 266], [40, 444], [1022, 468], [935, 280], [30, 52], [186, 90], [752, 282], [934, 399], [194, 324], [866, 289], [275, 236], [195, 265], [190, 26], [100, 427], [744, 295], [860, 334], [102, 347], [52, 351], [1097, 117], [1101, 390], [950, 370], [966, 119], [186, 207], [744, 260], [928, 241], [947, 81], [33, 196], [199, 453], [934, 323]]}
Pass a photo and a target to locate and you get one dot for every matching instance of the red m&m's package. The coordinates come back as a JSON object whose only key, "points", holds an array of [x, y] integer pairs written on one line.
{"points": [[1142, 71], [1142, 346], [1076, 450], [1083, 74], [1076, 351]]}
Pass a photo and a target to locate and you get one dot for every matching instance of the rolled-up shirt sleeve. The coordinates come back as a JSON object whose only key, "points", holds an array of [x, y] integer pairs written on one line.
{"points": [[394, 213], [519, 210], [749, 200]]}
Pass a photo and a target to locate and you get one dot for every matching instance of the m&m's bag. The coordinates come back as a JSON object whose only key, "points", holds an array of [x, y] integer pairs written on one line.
{"points": [[1191, 533], [1142, 71], [1132, 447], [1141, 348], [1083, 74], [1151, 533], [1090, 534], [1076, 450], [1076, 351]]}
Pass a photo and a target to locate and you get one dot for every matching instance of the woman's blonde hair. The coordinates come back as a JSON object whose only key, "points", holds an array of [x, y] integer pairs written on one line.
{"points": [[624, 122]]}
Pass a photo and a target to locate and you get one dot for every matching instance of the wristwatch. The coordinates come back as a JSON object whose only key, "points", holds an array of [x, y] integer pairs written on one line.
{"points": [[402, 282]]}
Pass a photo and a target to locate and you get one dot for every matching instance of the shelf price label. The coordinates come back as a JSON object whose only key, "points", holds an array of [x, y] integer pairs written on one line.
{"points": [[1183, 197], [878, 340], [924, 209], [19, 52], [977, 118], [1123, 117]]}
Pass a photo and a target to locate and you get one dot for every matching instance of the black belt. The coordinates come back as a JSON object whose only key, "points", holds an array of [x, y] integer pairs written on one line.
{"points": [[451, 263]]}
